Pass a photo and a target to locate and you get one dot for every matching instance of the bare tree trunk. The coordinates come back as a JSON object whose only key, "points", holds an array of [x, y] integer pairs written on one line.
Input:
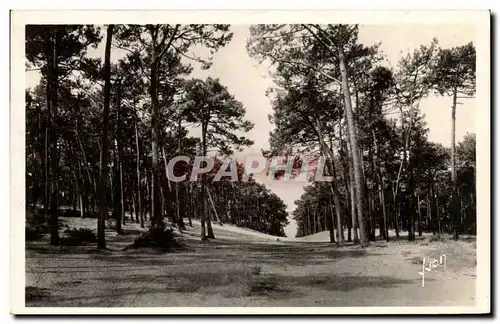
{"points": [[329, 223], [352, 194], [454, 197], [180, 221], [119, 216], [54, 158], [203, 203], [429, 213], [156, 207], [381, 186], [103, 170], [139, 191], [419, 216], [438, 217], [47, 164], [213, 206], [358, 176]]}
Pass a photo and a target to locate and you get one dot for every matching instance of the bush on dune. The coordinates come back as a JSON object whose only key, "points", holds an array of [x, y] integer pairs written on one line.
{"points": [[78, 236], [158, 238]]}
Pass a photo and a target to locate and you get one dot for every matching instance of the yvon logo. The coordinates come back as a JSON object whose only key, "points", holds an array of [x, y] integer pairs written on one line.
{"points": [[432, 264]]}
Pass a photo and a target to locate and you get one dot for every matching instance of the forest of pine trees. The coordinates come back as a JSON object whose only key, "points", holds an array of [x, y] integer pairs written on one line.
{"points": [[100, 131], [335, 97]]}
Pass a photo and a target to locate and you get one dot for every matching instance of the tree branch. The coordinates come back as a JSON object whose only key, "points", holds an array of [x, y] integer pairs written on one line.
{"points": [[165, 49], [304, 64]]}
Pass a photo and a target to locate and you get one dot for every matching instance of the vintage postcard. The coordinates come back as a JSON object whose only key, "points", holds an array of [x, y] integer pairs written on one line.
{"points": [[250, 162]]}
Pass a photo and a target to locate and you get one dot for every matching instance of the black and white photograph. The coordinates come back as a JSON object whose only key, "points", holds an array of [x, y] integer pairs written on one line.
{"points": [[235, 162]]}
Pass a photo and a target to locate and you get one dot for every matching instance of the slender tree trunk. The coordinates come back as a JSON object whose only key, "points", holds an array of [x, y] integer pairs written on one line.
{"points": [[336, 201], [46, 198], [438, 215], [419, 216], [381, 185], [180, 221], [358, 176], [329, 223], [429, 213], [352, 194], [203, 202], [119, 208], [139, 186], [412, 207], [54, 158], [454, 197], [103, 170], [157, 212]]}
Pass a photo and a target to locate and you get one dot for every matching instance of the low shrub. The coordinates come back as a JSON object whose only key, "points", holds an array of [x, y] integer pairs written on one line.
{"points": [[78, 236], [158, 238], [436, 238]]}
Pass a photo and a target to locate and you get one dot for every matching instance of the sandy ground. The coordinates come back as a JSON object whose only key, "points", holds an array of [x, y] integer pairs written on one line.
{"points": [[247, 268]]}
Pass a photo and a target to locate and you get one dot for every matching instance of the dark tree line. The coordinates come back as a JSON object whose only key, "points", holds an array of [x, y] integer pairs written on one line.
{"points": [[100, 132]]}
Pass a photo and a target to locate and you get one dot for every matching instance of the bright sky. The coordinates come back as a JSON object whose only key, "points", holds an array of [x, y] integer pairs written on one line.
{"points": [[248, 82]]}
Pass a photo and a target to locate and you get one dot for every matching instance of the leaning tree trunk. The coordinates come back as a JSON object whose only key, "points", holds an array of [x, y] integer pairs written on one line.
{"points": [[103, 170], [358, 176]]}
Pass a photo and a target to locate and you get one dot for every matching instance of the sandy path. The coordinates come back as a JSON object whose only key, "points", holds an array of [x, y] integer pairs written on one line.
{"points": [[216, 274]]}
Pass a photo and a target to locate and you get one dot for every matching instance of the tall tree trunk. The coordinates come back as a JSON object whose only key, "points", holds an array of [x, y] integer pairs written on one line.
{"points": [[358, 176], [54, 158], [338, 207], [139, 186], [329, 223], [412, 207], [352, 194], [119, 215], [429, 214], [438, 215], [203, 202], [180, 221], [381, 185], [156, 207], [454, 196], [103, 170], [419, 219], [46, 162]]}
